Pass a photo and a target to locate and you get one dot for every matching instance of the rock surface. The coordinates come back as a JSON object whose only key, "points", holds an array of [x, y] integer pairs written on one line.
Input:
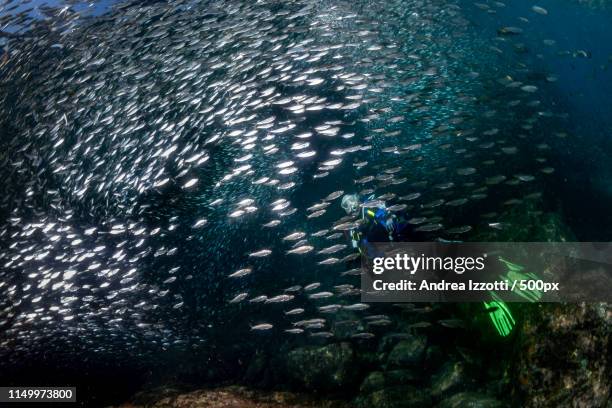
{"points": [[403, 396], [373, 382], [563, 353], [378, 380], [451, 377], [471, 400], [228, 397], [408, 352], [328, 367], [565, 356]]}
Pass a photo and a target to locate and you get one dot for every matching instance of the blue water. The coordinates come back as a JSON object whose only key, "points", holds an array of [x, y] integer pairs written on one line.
{"points": [[583, 181], [585, 84]]}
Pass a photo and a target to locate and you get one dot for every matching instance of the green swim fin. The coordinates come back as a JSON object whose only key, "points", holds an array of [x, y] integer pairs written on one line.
{"points": [[515, 273], [500, 315]]}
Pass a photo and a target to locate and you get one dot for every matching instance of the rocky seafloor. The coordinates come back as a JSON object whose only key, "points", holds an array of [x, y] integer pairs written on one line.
{"points": [[229, 397], [559, 356]]}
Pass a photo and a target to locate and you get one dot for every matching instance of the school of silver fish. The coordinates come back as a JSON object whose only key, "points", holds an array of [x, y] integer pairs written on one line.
{"points": [[170, 167]]}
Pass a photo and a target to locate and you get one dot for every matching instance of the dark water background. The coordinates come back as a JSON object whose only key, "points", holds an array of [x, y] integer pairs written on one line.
{"points": [[581, 190]]}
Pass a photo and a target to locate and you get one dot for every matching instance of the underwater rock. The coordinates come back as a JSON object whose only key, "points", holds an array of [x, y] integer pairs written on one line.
{"points": [[388, 341], [408, 352], [404, 396], [471, 400], [231, 397], [451, 377], [378, 380], [370, 359], [329, 367], [565, 355], [434, 357], [401, 377], [373, 382]]}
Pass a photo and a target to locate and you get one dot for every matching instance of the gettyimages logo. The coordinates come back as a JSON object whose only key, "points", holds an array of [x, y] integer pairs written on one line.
{"points": [[412, 264]]}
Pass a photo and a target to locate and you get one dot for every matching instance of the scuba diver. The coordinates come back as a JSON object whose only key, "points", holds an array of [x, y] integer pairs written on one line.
{"points": [[378, 223], [381, 225]]}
